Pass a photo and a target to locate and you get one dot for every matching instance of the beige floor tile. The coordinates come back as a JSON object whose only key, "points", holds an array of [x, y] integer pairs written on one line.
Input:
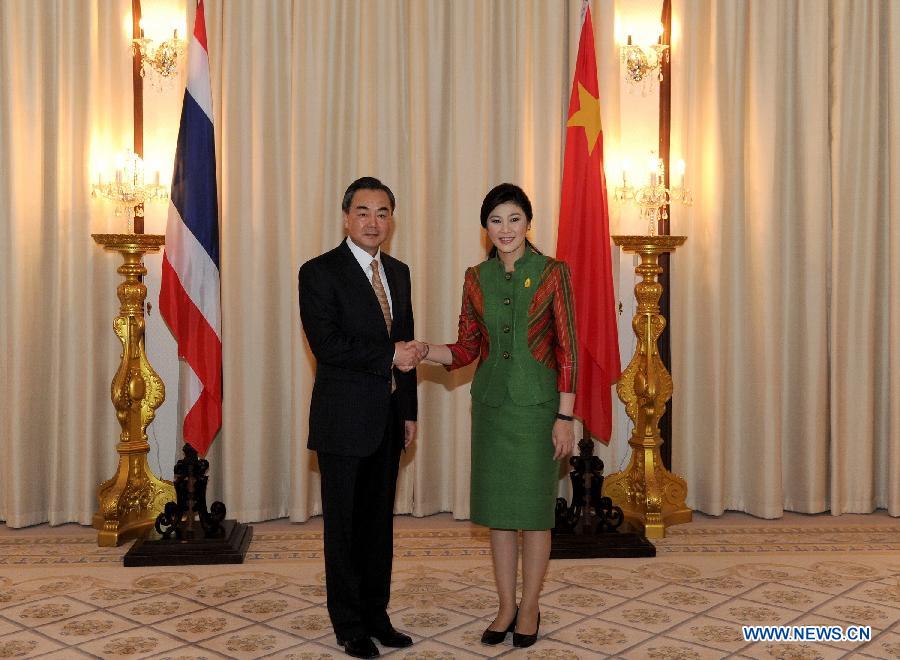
{"points": [[583, 601], [647, 616], [309, 651], [832, 577], [39, 612], [586, 596], [791, 651], [311, 623], [709, 632], [667, 648], [68, 654], [474, 601], [429, 650], [886, 645], [202, 624], [7, 627], [86, 627], [188, 652], [423, 585], [229, 585], [135, 644], [427, 622], [312, 591], [852, 611], [550, 649], [554, 618], [682, 598], [724, 584], [884, 592], [26, 644], [253, 642], [156, 608], [265, 606], [468, 638], [621, 580], [747, 612], [108, 595], [601, 636], [790, 597], [810, 619]]}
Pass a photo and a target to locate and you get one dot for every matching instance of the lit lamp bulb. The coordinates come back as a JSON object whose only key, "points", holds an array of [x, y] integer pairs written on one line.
{"points": [[653, 170], [624, 191], [679, 172]]}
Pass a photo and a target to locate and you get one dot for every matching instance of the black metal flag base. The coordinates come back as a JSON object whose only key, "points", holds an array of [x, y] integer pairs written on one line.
{"points": [[589, 528], [185, 532]]}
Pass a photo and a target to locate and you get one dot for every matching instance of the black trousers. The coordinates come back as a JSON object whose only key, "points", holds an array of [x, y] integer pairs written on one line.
{"points": [[358, 510]]}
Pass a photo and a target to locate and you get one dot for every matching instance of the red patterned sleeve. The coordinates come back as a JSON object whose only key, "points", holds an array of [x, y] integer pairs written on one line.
{"points": [[468, 341], [566, 348]]}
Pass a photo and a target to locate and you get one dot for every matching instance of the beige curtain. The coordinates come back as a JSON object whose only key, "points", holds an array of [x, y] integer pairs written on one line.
{"points": [[864, 319], [441, 100], [65, 76], [785, 340], [786, 375]]}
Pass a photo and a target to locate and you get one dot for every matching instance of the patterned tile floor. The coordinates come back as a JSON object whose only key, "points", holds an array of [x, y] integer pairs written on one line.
{"points": [[62, 597]]}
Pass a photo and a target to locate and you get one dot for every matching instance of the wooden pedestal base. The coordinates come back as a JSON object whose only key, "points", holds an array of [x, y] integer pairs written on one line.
{"points": [[229, 547]]}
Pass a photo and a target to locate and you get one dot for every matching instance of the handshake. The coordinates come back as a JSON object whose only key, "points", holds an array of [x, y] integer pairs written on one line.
{"points": [[408, 354]]}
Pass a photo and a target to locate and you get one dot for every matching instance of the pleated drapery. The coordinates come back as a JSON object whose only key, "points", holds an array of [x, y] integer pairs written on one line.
{"points": [[785, 341], [784, 296]]}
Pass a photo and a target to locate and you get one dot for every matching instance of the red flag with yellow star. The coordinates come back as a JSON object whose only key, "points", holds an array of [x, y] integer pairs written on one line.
{"points": [[584, 244]]}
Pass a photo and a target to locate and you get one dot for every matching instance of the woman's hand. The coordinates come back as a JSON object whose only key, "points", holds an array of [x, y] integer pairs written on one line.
{"points": [[563, 439]]}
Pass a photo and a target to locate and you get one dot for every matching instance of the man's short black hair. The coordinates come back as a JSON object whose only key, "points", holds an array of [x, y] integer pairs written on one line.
{"points": [[366, 183]]}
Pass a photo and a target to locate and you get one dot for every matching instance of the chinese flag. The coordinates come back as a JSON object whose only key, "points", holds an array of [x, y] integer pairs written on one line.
{"points": [[584, 244]]}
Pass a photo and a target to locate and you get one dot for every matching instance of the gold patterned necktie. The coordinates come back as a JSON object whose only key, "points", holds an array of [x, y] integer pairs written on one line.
{"points": [[381, 295]]}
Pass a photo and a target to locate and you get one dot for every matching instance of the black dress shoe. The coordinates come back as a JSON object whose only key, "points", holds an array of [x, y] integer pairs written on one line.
{"points": [[524, 641], [359, 647], [393, 638], [494, 637]]}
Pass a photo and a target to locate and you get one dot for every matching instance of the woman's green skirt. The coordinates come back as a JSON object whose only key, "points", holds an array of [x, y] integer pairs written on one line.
{"points": [[514, 476]]}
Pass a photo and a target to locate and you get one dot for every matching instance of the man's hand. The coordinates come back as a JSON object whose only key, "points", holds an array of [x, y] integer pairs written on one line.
{"points": [[409, 433], [408, 354]]}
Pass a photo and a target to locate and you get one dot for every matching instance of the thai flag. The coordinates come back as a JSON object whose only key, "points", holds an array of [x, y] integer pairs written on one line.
{"points": [[189, 294]]}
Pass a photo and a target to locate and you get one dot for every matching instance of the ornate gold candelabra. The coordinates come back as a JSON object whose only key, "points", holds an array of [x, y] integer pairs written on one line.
{"points": [[131, 500], [650, 496]]}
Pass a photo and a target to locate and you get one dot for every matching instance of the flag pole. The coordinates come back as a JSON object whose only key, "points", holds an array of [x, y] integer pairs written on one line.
{"points": [[589, 527], [137, 83], [187, 531]]}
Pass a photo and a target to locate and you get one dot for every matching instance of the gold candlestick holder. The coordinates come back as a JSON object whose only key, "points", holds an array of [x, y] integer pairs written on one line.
{"points": [[651, 497], [130, 501]]}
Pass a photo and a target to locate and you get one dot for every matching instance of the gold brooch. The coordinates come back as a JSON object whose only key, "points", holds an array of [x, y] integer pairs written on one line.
{"points": [[527, 282]]}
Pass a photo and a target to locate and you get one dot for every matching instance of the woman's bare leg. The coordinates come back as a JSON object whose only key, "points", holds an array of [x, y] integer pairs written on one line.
{"points": [[505, 554], [535, 558]]}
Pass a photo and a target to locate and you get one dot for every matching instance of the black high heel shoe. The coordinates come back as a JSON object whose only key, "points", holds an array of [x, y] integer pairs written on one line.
{"points": [[524, 641], [494, 637]]}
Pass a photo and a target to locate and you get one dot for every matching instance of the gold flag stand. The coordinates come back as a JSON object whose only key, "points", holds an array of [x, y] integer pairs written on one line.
{"points": [[130, 501], [651, 497]]}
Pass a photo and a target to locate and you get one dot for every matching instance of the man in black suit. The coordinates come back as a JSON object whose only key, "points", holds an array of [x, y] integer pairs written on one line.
{"points": [[356, 310]]}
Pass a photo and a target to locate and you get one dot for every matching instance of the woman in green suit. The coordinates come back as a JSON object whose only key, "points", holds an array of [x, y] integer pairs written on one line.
{"points": [[518, 318]]}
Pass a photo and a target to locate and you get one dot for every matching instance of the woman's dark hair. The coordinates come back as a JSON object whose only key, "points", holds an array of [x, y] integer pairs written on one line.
{"points": [[506, 192], [366, 183]]}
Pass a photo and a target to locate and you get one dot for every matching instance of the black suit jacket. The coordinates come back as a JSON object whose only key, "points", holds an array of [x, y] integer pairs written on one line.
{"points": [[354, 353]]}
